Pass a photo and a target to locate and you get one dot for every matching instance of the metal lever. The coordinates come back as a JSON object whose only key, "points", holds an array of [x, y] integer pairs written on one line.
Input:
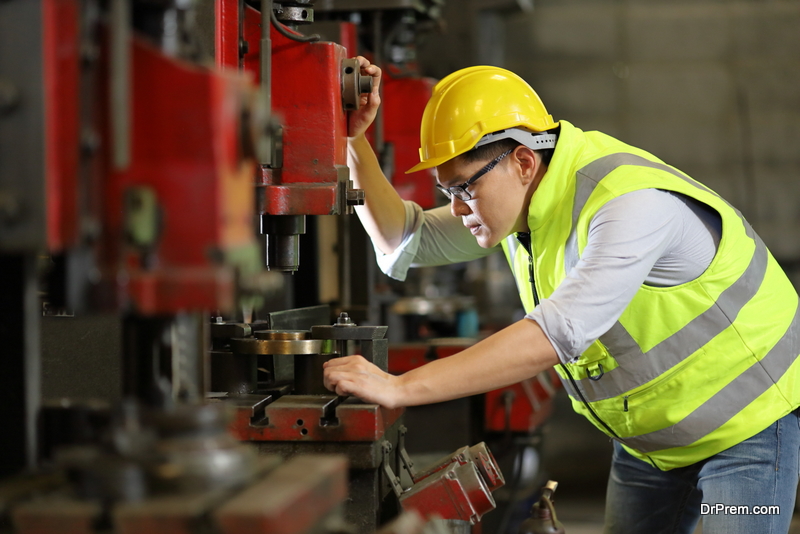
{"points": [[329, 411]]}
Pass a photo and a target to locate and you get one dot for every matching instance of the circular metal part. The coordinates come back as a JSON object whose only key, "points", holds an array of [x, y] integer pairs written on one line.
{"points": [[283, 334], [283, 252], [295, 15], [353, 84], [282, 238], [365, 84], [276, 346]]}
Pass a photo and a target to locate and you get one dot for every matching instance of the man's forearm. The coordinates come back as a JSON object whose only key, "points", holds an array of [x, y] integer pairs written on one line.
{"points": [[515, 353], [383, 213]]}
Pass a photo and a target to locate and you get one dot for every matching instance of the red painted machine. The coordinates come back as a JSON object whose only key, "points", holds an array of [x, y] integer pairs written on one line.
{"points": [[520, 408]]}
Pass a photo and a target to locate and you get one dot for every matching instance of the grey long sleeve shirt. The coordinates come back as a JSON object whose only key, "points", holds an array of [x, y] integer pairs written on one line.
{"points": [[649, 237]]}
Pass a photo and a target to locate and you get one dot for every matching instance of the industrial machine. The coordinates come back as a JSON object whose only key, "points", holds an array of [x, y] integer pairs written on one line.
{"points": [[144, 146]]}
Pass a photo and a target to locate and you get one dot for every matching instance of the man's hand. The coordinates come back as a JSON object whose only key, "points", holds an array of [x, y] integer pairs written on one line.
{"points": [[359, 120], [353, 375]]}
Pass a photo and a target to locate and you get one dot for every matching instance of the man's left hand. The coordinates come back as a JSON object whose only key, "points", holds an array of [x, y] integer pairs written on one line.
{"points": [[354, 375]]}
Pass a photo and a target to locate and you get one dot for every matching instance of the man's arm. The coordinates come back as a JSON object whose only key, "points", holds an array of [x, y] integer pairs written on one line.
{"points": [[382, 214], [515, 353]]}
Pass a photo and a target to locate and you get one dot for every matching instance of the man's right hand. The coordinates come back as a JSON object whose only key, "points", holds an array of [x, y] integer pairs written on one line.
{"points": [[359, 120]]}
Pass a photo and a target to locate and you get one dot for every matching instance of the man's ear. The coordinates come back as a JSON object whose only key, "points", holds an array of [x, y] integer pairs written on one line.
{"points": [[527, 162]]}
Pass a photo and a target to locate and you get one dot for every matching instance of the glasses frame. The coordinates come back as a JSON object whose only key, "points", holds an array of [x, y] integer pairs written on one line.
{"points": [[460, 191]]}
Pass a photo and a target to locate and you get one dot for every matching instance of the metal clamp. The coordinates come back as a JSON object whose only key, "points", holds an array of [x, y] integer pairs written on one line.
{"points": [[401, 449], [394, 480]]}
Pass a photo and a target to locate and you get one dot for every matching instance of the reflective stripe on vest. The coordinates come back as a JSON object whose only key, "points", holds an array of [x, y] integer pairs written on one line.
{"points": [[729, 401], [637, 368], [631, 372]]}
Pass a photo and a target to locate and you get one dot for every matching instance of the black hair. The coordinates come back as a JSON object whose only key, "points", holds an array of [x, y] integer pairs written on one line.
{"points": [[492, 150]]}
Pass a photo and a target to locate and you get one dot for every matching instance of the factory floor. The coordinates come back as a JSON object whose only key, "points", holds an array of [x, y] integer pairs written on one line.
{"points": [[578, 456]]}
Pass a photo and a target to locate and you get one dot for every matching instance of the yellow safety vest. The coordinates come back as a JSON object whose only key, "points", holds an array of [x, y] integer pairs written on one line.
{"points": [[687, 371]]}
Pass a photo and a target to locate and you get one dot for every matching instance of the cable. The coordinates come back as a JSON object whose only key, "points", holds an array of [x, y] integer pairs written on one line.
{"points": [[289, 35]]}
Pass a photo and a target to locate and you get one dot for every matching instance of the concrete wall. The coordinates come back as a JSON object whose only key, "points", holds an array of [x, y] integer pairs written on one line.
{"points": [[712, 87]]}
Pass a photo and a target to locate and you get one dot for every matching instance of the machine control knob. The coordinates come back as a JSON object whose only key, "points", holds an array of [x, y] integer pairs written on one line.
{"points": [[353, 84]]}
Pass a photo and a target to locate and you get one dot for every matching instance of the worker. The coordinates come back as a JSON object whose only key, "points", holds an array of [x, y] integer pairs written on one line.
{"points": [[671, 326]]}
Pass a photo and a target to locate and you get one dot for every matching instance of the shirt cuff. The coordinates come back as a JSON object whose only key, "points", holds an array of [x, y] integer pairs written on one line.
{"points": [[563, 332]]}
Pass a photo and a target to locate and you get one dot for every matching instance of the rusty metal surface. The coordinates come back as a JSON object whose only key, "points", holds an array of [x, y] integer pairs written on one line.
{"points": [[291, 500], [298, 418]]}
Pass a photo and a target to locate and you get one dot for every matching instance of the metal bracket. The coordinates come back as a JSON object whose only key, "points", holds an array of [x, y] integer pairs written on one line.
{"points": [[393, 480], [401, 449]]}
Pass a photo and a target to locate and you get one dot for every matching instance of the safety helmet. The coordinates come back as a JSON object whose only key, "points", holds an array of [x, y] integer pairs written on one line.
{"points": [[471, 103]]}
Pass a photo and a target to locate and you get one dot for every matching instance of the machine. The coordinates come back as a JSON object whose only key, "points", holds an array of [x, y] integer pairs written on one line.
{"points": [[144, 147]]}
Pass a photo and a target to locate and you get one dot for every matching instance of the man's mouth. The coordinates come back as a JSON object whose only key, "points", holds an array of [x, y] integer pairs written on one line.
{"points": [[474, 228]]}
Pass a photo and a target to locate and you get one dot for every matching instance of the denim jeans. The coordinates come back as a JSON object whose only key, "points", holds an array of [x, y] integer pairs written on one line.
{"points": [[760, 471]]}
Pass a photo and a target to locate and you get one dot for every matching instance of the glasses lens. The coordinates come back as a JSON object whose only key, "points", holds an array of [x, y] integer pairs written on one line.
{"points": [[461, 193], [445, 192]]}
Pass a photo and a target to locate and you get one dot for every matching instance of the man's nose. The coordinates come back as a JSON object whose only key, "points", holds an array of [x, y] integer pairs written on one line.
{"points": [[458, 208]]}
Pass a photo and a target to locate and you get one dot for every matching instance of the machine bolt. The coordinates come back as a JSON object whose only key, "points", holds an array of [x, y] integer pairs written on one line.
{"points": [[244, 48], [9, 96], [451, 475], [344, 320]]}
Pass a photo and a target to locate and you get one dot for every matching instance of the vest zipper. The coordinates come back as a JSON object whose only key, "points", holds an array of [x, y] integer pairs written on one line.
{"points": [[525, 240]]}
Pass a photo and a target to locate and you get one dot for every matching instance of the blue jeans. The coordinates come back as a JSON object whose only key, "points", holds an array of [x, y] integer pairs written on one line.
{"points": [[760, 471]]}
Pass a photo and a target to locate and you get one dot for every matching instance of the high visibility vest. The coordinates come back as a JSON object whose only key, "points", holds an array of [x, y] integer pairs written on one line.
{"points": [[687, 371]]}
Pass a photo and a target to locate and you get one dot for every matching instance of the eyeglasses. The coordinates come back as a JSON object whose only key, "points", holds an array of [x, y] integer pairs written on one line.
{"points": [[460, 191]]}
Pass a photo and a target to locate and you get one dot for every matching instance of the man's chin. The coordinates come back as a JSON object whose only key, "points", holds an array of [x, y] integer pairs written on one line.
{"points": [[486, 241]]}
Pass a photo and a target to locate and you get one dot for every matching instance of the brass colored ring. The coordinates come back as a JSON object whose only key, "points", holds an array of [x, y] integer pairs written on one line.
{"points": [[283, 334], [276, 346]]}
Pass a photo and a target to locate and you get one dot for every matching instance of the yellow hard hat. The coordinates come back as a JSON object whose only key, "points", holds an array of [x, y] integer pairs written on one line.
{"points": [[473, 102]]}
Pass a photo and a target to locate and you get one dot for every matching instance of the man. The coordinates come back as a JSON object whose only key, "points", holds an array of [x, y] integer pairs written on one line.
{"points": [[671, 326]]}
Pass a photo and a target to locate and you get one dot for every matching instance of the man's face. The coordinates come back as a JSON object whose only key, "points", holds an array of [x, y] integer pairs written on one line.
{"points": [[498, 205]]}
